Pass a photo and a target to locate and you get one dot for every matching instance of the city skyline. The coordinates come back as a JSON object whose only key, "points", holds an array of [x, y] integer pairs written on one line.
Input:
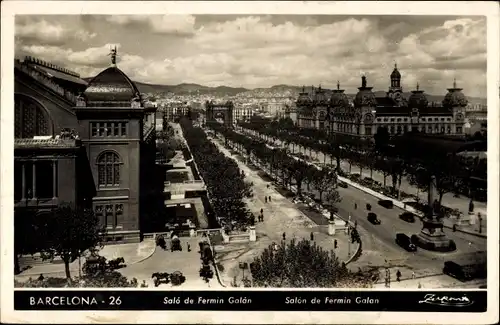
{"points": [[261, 51]]}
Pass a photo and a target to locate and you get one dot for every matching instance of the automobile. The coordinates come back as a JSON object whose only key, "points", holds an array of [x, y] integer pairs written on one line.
{"points": [[388, 204], [407, 216], [372, 217], [464, 271], [343, 184], [404, 241]]}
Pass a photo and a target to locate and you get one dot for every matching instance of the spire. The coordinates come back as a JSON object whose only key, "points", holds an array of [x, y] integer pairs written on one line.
{"points": [[303, 88], [363, 81], [395, 65], [338, 85], [454, 82], [418, 86]]}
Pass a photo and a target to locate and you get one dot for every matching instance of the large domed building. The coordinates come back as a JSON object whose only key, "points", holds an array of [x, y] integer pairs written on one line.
{"points": [[91, 144], [398, 114]]}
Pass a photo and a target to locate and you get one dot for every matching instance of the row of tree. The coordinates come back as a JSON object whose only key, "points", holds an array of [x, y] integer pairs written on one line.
{"points": [[225, 182], [284, 167], [453, 173]]}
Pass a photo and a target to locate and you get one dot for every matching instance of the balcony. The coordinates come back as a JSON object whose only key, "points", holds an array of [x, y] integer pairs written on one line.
{"points": [[185, 186]]}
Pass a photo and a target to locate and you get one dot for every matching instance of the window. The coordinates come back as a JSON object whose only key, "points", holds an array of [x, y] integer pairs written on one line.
{"points": [[392, 129], [459, 129], [108, 169], [386, 119], [398, 120], [30, 118], [429, 129], [448, 119], [399, 129], [423, 119], [405, 128], [108, 129], [109, 214], [392, 119], [442, 129], [442, 119], [101, 129], [368, 130], [436, 119], [448, 130]]}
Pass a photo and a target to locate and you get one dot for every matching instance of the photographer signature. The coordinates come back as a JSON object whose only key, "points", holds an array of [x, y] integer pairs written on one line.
{"points": [[434, 299]]}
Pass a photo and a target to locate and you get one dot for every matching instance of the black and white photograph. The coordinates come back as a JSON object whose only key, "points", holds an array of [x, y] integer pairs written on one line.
{"points": [[172, 152]]}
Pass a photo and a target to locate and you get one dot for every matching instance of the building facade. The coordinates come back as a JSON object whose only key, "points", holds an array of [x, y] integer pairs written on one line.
{"points": [[220, 112], [97, 140], [367, 113]]}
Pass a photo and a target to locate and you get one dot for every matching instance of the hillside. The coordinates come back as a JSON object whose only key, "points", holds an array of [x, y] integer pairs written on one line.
{"points": [[277, 90]]}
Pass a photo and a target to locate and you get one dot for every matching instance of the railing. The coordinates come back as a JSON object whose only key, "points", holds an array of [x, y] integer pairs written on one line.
{"points": [[46, 81], [193, 182]]}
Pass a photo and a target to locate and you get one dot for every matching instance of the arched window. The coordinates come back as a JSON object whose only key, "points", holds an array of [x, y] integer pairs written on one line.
{"points": [[108, 164], [30, 118]]}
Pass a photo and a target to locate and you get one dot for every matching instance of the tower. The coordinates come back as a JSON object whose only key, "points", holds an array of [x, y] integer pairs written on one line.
{"points": [[111, 115], [455, 101], [395, 90]]}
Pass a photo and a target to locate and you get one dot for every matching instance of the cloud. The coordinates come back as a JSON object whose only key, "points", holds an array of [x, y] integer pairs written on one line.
{"points": [[43, 32], [162, 24], [258, 51]]}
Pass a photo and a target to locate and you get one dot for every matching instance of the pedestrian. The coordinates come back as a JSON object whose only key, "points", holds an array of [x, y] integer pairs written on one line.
{"points": [[261, 211], [355, 224], [355, 206], [269, 198], [398, 276], [265, 199], [189, 247], [267, 185], [454, 227], [413, 275], [335, 244], [284, 236], [262, 217], [41, 277], [420, 285], [312, 236]]}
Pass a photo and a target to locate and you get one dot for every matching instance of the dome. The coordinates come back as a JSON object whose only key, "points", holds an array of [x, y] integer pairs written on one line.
{"points": [[417, 99], [454, 97], [365, 96], [304, 98], [395, 74], [339, 99], [111, 85]]}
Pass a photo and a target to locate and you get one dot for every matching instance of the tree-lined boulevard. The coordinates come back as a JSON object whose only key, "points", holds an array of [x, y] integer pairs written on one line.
{"points": [[379, 247]]}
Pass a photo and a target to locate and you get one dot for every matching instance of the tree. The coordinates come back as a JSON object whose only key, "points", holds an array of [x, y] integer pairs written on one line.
{"points": [[382, 138], [302, 264], [71, 231], [324, 180], [332, 197], [30, 233]]}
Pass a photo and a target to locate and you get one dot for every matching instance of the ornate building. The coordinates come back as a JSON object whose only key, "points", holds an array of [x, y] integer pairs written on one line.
{"points": [[107, 160], [394, 112]]}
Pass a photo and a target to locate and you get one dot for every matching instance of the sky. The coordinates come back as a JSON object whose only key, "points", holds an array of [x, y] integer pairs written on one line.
{"points": [[255, 51]]}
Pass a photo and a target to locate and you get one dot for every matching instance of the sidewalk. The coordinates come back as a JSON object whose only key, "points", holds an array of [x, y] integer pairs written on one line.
{"points": [[280, 215], [461, 204], [132, 253]]}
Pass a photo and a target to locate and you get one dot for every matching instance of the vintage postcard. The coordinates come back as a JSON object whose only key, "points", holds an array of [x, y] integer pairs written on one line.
{"points": [[250, 162]]}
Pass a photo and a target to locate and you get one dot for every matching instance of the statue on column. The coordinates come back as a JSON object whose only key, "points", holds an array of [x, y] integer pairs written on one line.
{"points": [[113, 54]]}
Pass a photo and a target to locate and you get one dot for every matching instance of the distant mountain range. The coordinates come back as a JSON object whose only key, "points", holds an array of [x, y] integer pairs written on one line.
{"points": [[283, 90]]}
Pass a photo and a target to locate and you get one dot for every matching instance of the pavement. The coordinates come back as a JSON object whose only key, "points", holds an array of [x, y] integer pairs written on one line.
{"points": [[280, 215], [461, 203]]}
